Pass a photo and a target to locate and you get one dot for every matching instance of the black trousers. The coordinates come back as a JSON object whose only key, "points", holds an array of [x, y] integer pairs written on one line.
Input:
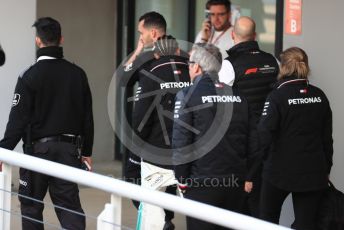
{"points": [[305, 206], [63, 193], [230, 198]]}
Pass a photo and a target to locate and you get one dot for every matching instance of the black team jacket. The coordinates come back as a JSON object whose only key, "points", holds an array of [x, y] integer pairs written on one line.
{"points": [[296, 135], [54, 97]]}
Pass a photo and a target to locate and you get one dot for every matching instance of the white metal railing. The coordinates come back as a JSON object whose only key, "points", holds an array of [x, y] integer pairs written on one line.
{"points": [[119, 188]]}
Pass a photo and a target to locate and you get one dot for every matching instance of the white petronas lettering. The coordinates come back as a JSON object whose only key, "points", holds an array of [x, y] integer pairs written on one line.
{"points": [[221, 99], [307, 100]]}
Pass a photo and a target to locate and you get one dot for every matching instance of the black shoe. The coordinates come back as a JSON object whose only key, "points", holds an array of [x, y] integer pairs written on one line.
{"points": [[169, 225]]}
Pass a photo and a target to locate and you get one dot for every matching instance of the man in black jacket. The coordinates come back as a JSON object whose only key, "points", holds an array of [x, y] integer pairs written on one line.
{"points": [[159, 81], [212, 142], [253, 72], [151, 27], [52, 113]]}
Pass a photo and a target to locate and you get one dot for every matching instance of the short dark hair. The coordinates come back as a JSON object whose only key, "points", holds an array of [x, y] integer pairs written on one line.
{"points": [[226, 3], [48, 30], [154, 19]]}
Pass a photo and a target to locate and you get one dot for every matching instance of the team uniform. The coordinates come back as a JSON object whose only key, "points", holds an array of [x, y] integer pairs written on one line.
{"points": [[159, 81], [296, 136], [204, 106]]}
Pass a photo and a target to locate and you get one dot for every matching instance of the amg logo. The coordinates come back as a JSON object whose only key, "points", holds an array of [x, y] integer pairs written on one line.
{"points": [[309, 100], [22, 182], [174, 85], [223, 99]]}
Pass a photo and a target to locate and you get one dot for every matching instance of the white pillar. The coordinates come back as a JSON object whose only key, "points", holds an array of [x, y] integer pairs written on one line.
{"points": [[5, 197], [111, 217]]}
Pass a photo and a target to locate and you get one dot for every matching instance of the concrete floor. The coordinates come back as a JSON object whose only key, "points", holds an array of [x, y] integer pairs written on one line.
{"points": [[92, 200]]}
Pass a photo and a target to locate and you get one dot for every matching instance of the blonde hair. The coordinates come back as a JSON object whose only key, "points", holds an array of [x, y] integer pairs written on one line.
{"points": [[294, 62]]}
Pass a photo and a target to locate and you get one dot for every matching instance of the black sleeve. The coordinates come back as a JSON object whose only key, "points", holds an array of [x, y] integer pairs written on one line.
{"points": [[132, 169], [254, 156], [327, 136], [269, 123], [88, 131], [20, 115], [146, 101], [181, 138], [130, 74]]}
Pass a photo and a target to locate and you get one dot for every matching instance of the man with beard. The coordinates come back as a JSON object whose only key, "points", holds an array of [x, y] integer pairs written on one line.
{"points": [[217, 28]]}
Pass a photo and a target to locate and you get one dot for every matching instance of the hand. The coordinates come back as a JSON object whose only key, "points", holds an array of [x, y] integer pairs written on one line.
{"points": [[138, 50], [206, 30], [88, 160], [139, 47], [182, 187], [248, 186]]}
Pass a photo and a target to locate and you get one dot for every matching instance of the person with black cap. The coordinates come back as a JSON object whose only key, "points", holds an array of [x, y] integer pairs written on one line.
{"points": [[52, 113]]}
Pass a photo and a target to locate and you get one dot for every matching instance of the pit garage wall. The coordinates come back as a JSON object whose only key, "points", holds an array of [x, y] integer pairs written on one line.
{"points": [[17, 38], [88, 28], [322, 38], [89, 31]]}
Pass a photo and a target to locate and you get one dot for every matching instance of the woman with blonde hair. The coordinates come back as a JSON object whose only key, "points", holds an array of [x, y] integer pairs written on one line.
{"points": [[296, 138]]}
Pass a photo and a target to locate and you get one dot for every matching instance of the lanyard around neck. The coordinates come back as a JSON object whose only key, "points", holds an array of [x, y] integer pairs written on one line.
{"points": [[218, 37]]}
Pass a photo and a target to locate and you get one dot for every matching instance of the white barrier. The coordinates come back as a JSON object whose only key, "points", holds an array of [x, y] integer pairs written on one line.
{"points": [[111, 214], [124, 189], [5, 197]]}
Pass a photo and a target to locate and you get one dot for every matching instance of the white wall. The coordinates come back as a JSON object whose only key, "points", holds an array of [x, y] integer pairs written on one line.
{"points": [[322, 39], [17, 38], [89, 30]]}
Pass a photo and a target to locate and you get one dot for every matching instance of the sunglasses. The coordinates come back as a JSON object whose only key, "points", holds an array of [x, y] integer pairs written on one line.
{"points": [[217, 14], [191, 63]]}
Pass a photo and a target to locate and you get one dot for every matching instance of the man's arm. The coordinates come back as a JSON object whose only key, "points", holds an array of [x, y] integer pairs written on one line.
{"points": [[19, 116], [147, 100], [182, 138], [227, 73], [267, 127], [136, 53], [205, 33], [88, 126], [327, 136]]}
